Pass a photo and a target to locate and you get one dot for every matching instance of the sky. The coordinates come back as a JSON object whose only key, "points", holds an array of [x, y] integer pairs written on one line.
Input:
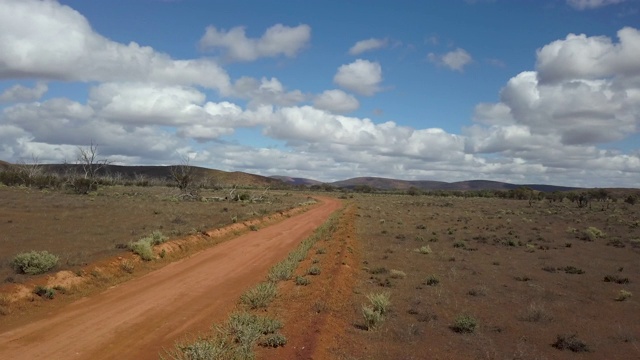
{"points": [[544, 91]]}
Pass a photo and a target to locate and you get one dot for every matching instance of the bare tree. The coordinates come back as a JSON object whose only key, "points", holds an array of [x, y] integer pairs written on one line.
{"points": [[91, 165], [88, 159], [183, 176], [29, 172]]}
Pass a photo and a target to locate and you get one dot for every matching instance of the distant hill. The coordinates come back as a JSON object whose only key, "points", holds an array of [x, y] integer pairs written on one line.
{"points": [[394, 184], [296, 180], [224, 178], [218, 177]]}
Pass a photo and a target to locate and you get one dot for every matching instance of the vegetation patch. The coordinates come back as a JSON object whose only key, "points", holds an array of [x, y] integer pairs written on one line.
{"points": [[623, 295], [260, 296], [570, 342], [592, 233], [572, 270], [45, 292], [616, 279], [302, 281], [144, 247], [464, 324], [423, 250], [34, 262]]}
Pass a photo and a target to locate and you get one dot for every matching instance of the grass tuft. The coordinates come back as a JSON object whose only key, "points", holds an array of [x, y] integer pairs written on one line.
{"points": [[260, 296], [464, 324]]}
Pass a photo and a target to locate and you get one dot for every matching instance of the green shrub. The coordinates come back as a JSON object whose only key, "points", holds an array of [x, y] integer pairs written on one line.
{"points": [[372, 318], [424, 250], [460, 244], [464, 324], [34, 262], [260, 296], [274, 340], [157, 238], [432, 280], [616, 279], [302, 281], [127, 266], [143, 248], [573, 270], [380, 302], [623, 295], [246, 329], [201, 349], [592, 233], [44, 292], [397, 274], [314, 270], [283, 270], [570, 342]]}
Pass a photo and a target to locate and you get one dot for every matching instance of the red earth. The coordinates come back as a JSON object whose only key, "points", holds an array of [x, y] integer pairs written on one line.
{"points": [[137, 319]]}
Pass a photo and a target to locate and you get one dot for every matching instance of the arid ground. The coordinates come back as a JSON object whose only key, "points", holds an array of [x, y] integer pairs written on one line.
{"points": [[467, 278]]}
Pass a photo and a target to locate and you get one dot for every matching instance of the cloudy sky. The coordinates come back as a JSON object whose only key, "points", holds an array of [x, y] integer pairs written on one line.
{"points": [[544, 91]]}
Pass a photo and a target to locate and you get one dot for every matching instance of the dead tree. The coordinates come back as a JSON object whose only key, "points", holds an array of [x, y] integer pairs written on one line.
{"points": [[91, 165], [183, 176]]}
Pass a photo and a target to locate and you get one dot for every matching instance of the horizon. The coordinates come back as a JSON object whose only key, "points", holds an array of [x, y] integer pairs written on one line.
{"points": [[544, 92]]}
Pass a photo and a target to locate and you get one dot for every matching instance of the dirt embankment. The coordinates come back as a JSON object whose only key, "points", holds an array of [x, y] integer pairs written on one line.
{"points": [[136, 319]]}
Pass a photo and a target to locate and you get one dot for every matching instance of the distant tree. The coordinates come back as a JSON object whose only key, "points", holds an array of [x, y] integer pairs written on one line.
{"points": [[182, 175], [414, 191], [87, 158]]}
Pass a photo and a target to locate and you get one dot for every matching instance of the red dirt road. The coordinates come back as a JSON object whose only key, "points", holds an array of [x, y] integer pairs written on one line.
{"points": [[137, 319]]}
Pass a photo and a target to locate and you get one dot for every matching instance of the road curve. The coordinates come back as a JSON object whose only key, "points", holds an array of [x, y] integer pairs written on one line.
{"points": [[136, 319]]}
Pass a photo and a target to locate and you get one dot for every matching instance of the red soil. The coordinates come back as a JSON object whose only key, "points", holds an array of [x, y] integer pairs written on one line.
{"points": [[136, 319]]}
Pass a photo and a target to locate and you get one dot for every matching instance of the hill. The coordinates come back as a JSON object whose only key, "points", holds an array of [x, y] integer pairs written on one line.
{"points": [[394, 184], [217, 177], [296, 181]]}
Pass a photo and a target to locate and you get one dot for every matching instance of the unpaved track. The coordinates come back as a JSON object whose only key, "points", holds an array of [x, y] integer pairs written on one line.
{"points": [[139, 318]]}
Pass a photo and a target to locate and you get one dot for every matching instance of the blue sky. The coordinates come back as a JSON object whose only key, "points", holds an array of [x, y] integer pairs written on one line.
{"points": [[517, 91]]}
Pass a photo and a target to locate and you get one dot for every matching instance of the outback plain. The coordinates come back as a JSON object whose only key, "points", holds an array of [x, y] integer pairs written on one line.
{"points": [[390, 275]]}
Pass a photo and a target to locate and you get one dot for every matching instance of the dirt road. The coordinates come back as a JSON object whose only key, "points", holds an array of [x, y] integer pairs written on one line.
{"points": [[135, 320]]}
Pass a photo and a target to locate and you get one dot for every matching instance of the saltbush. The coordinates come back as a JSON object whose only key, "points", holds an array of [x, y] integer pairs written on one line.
{"points": [[34, 262]]}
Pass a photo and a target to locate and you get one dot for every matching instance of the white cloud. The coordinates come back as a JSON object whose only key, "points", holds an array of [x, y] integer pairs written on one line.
{"points": [[307, 129], [361, 76], [47, 40], [454, 60], [336, 101], [266, 92], [585, 93], [54, 135], [20, 93], [367, 45], [592, 4], [146, 104], [582, 57], [277, 40]]}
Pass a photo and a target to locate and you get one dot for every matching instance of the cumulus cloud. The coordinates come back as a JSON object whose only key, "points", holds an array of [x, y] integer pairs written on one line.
{"points": [[336, 101], [361, 76], [302, 126], [583, 57], [454, 60], [592, 4], [367, 45], [266, 92], [20, 93], [47, 40], [277, 40], [583, 94]]}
